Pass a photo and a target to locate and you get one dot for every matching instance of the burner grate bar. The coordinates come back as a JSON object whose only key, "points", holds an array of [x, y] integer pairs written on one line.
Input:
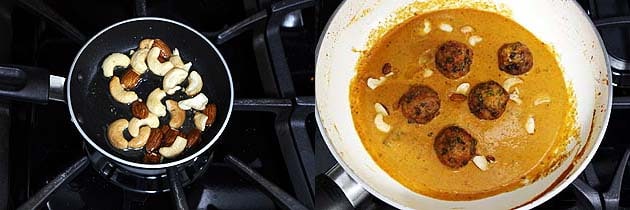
{"points": [[43, 194], [281, 197], [43, 10], [612, 196]]}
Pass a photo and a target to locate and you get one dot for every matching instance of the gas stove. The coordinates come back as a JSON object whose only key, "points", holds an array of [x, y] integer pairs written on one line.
{"points": [[271, 153], [263, 160]]}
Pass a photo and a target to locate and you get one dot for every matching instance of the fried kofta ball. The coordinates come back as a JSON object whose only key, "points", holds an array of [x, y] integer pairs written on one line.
{"points": [[420, 104], [487, 100], [453, 59], [515, 58], [454, 147]]}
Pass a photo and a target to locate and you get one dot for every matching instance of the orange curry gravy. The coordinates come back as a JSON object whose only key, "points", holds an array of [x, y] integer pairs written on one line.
{"points": [[406, 153]]}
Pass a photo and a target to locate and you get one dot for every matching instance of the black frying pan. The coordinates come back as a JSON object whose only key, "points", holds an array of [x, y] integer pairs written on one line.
{"points": [[90, 104]]}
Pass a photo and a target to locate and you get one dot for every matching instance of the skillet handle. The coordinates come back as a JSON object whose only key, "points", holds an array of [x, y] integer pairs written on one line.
{"points": [[23, 83]]}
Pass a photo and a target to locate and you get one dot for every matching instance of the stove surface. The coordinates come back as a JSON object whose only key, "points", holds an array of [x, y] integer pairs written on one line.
{"points": [[272, 129]]}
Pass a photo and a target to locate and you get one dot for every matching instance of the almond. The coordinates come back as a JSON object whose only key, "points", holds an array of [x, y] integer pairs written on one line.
{"points": [[130, 79], [211, 112], [154, 141], [193, 137], [139, 110], [165, 51], [169, 137], [152, 158], [457, 97], [164, 129]]}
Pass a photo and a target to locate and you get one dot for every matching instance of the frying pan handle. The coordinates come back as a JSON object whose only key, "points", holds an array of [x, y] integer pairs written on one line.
{"points": [[29, 84], [337, 190]]}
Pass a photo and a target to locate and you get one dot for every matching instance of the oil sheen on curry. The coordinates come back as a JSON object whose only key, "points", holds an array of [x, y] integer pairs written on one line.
{"points": [[462, 104]]}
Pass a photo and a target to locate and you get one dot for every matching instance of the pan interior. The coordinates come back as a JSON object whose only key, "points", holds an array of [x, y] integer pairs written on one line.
{"points": [[94, 108]]}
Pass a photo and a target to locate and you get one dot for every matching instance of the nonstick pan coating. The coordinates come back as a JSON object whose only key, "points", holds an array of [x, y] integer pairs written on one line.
{"points": [[92, 108]]}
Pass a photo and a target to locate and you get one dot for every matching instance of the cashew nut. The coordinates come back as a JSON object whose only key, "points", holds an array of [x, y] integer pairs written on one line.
{"points": [[481, 162], [474, 39], [146, 44], [463, 88], [119, 93], [173, 90], [427, 26], [511, 82], [155, 66], [138, 61], [542, 100], [175, 149], [140, 140], [381, 125], [115, 133], [380, 109], [195, 83], [113, 60], [198, 102], [200, 120], [173, 78], [446, 27], [154, 102], [135, 124], [427, 73], [466, 29], [177, 115], [176, 60], [530, 125]]}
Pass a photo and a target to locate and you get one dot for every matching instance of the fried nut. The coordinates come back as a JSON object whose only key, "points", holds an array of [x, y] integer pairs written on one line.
{"points": [[138, 61], [164, 128], [211, 112], [515, 96], [175, 149], [198, 102], [195, 83], [427, 26], [530, 125], [173, 78], [481, 162], [112, 61], [135, 124], [380, 109], [193, 138], [154, 102], [375, 83], [165, 51], [200, 120], [115, 134], [130, 79], [119, 93], [542, 100], [152, 158], [466, 29], [154, 141], [139, 110], [173, 90], [427, 73], [145, 44], [381, 125], [155, 65], [177, 115], [169, 137], [457, 97], [474, 40], [511, 82], [142, 138], [446, 27], [463, 88]]}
